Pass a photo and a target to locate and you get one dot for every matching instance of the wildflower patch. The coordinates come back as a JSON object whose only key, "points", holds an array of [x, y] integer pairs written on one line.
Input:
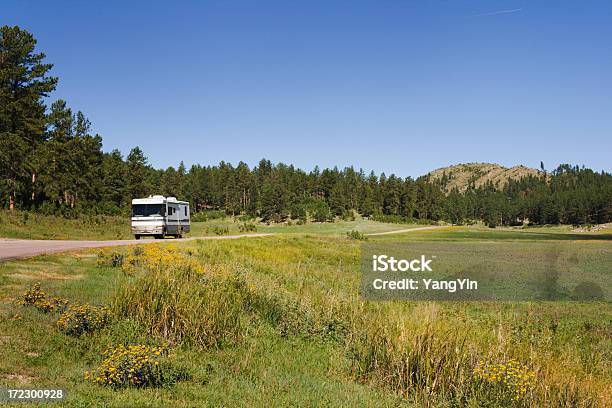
{"points": [[80, 319], [156, 258], [134, 366], [37, 297], [511, 378]]}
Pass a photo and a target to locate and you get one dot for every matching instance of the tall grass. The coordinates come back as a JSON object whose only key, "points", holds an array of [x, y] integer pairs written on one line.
{"points": [[186, 305], [424, 363], [433, 364], [211, 295]]}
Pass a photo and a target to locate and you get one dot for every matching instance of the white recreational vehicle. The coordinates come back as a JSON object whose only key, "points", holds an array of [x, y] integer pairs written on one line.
{"points": [[159, 216]]}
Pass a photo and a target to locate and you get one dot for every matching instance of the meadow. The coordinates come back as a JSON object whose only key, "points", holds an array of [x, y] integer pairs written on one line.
{"points": [[278, 321], [30, 225]]}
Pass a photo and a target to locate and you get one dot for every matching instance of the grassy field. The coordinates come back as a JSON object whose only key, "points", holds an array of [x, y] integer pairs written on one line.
{"points": [[232, 226], [279, 321], [26, 225]]}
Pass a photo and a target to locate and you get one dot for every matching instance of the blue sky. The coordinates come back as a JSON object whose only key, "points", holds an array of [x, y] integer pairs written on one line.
{"points": [[402, 87]]}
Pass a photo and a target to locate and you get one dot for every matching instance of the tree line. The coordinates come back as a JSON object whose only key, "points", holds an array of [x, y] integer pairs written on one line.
{"points": [[52, 163]]}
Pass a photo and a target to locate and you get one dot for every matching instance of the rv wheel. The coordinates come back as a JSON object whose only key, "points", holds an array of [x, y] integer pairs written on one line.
{"points": [[136, 236]]}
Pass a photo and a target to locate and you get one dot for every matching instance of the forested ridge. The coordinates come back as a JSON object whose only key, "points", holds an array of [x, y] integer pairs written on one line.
{"points": [[51, 163]]}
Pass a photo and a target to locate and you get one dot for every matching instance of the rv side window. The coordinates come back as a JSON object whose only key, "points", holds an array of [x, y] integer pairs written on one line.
{"points": [[185, 211]]}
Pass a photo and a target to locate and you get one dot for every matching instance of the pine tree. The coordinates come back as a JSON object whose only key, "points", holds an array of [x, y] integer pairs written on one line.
{"points": [[137, 174], [23, 85], [114, 180]]}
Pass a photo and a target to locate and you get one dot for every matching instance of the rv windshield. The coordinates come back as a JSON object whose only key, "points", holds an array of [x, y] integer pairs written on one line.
{"points": [[147, 210]]}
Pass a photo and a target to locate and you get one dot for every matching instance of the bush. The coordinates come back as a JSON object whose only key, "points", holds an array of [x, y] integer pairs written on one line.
{"points": [[353, 234], [247, 217], [38, 298], [110, 258], [135, 366], [80, 319], [298, 212], [247, 227], [321, 212], [217, 230]]}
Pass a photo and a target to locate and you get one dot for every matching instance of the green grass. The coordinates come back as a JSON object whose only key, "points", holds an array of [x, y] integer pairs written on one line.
{"points": [[306, 338], [327, 228], [25, 225]]}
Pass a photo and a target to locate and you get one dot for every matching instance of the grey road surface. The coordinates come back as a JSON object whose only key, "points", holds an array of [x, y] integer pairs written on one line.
{"points": [[24, 248]]}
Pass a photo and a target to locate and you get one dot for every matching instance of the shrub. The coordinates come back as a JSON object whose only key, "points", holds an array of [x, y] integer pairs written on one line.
{"points": [[247, 227], [80, 319], [135, 366], [247, 217], [37, 297], [321, 212], [217, 230], [32, 295], [356, 235], [110, 258]]}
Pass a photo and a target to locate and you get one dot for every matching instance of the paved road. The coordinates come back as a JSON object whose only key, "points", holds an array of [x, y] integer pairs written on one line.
{"points": [[24, 248], [406, 230]]}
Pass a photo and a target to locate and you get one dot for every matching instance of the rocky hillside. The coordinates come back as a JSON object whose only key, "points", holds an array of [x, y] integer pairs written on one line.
{"points": [[462, 176]]}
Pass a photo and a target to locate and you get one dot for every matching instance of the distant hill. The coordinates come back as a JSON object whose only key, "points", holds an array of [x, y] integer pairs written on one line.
{"points": [[462, 176]]}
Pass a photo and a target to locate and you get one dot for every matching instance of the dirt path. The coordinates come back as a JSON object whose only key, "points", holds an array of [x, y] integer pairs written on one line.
{"points": [[24, 248], [406, 230]]}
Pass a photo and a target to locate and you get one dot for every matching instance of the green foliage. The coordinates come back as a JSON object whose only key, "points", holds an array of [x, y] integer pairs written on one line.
{"points": [[182, 305], [319, 211], [85, 226], [219, 230], [291, 316], [356, 235], [51, 163], [23, 86], [38, 298], [80, 319], [247, 227], [303, 326], [204, 216], [136, 366], [434, 364], [109, 257]]}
